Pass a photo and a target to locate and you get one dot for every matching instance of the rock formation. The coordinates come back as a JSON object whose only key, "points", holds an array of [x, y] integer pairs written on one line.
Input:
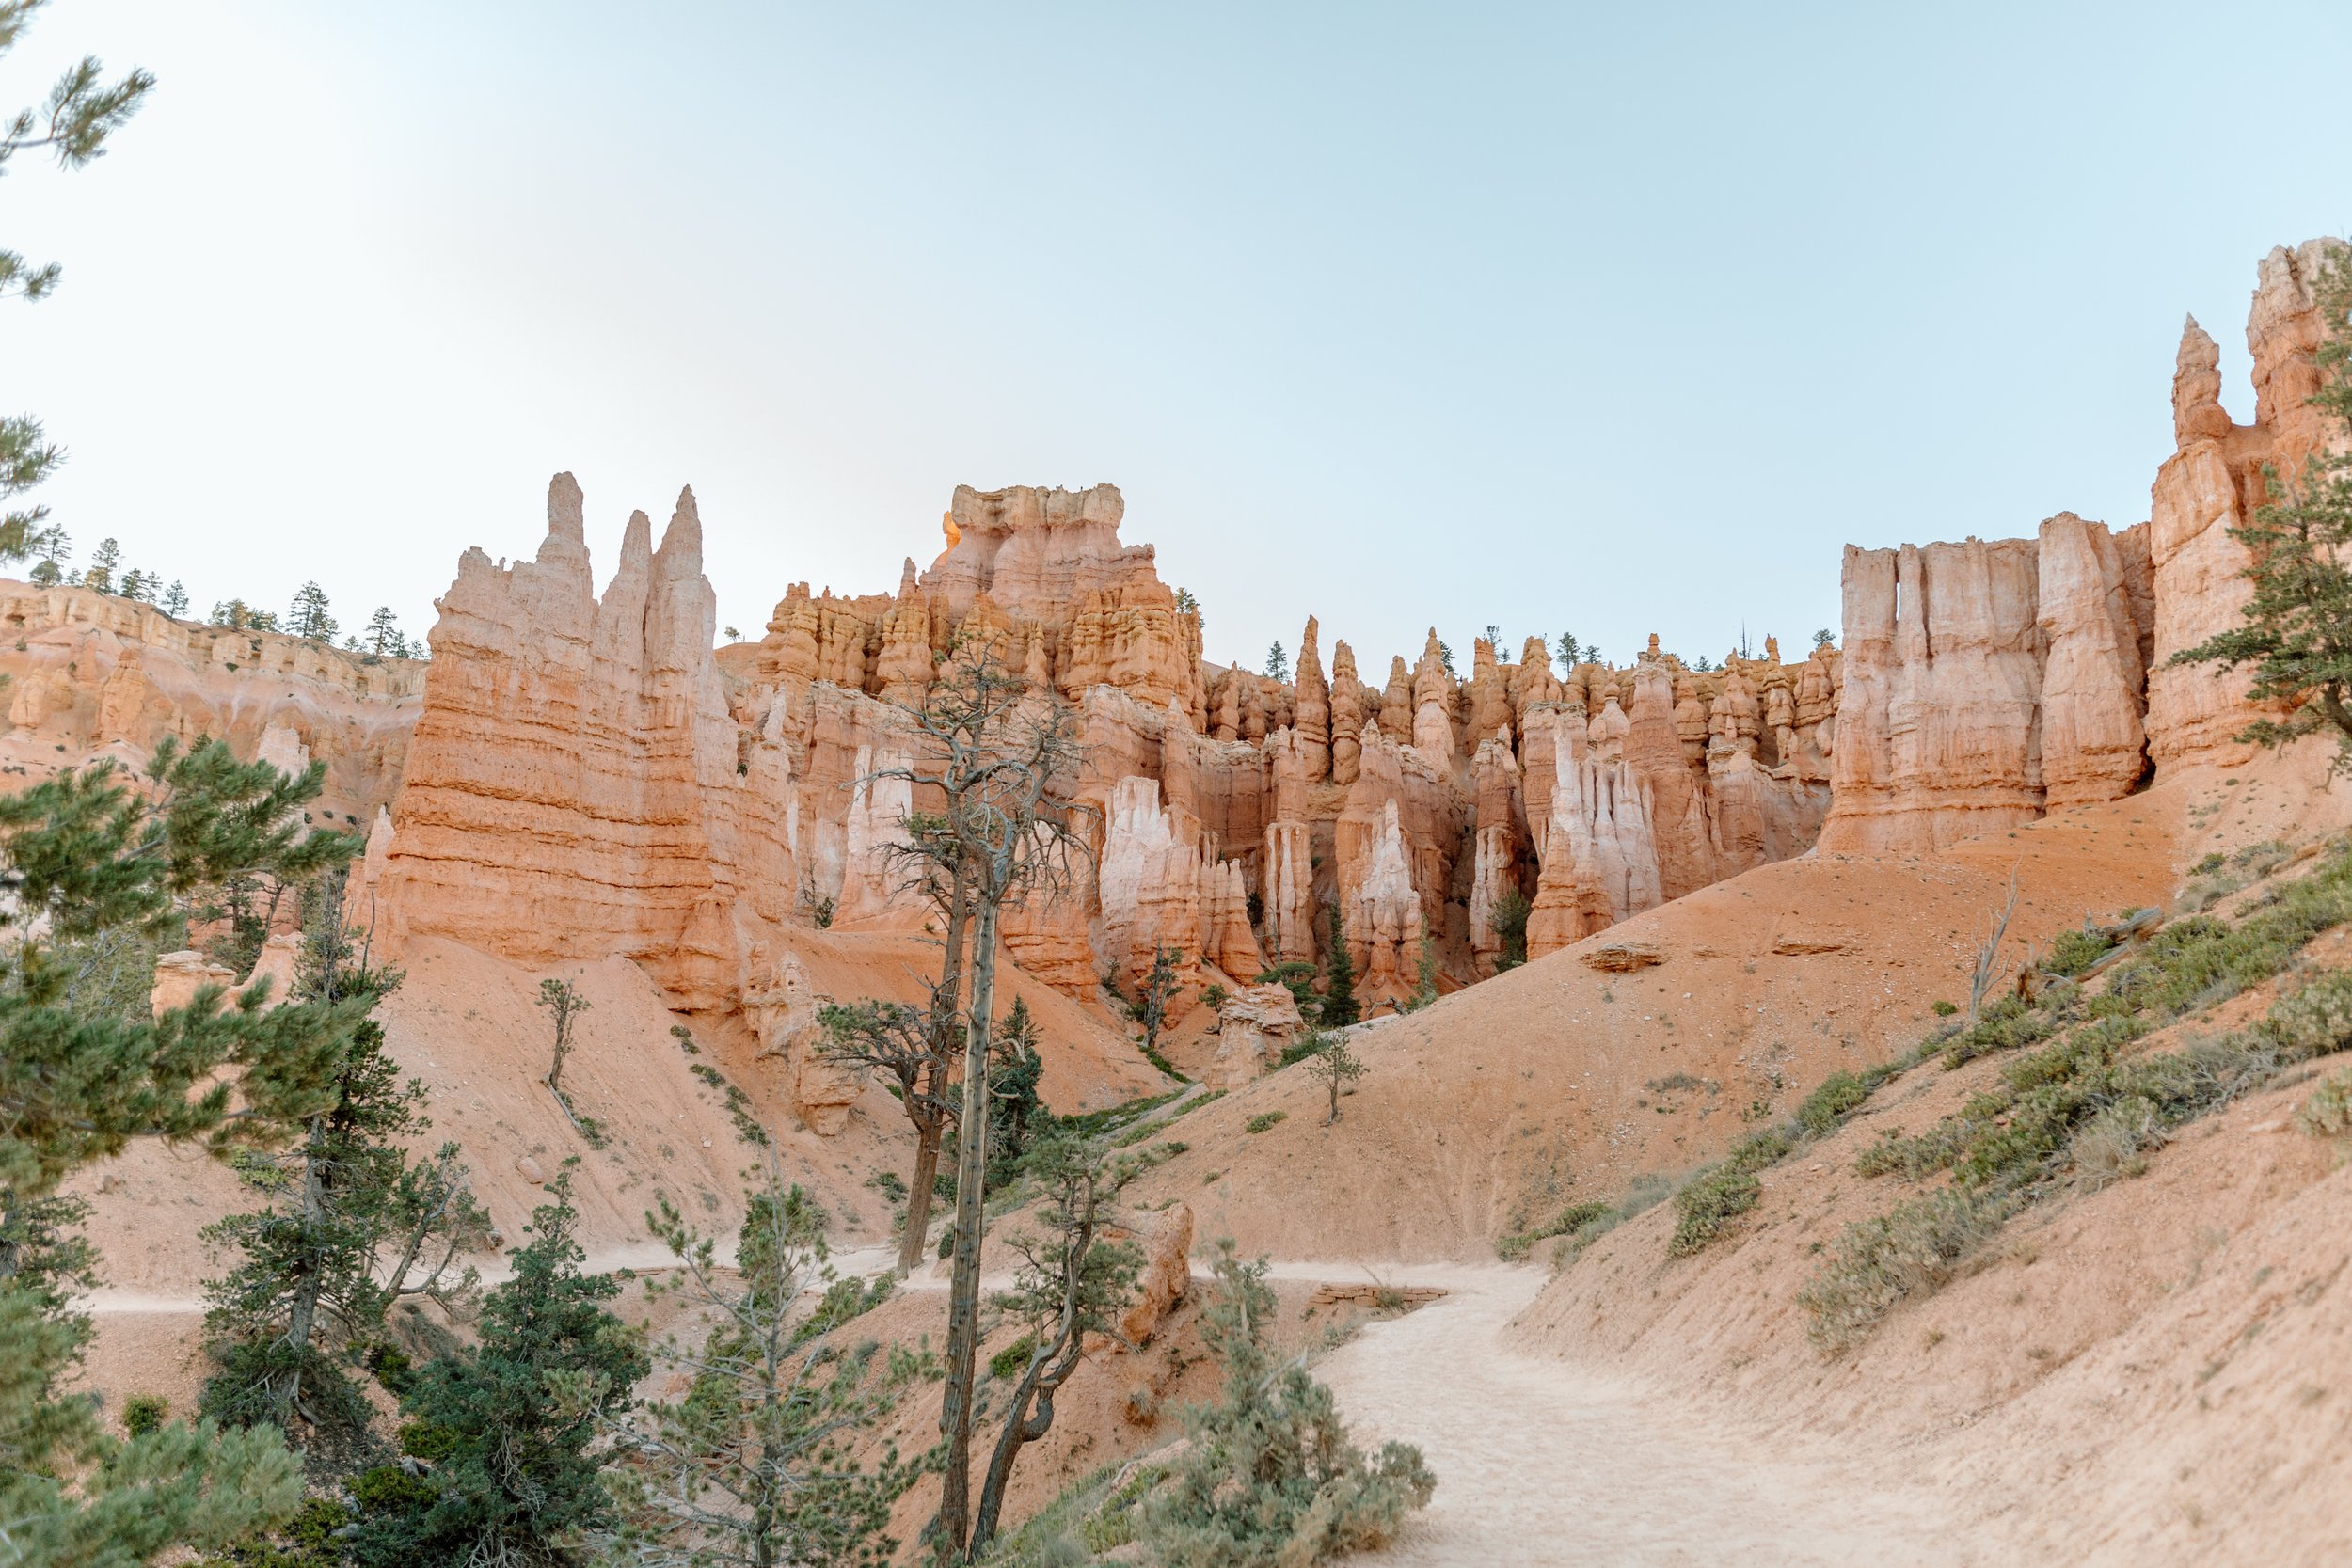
{"points": [[589, 778], [1986, 682], [1255, 1025], [93, 674]]}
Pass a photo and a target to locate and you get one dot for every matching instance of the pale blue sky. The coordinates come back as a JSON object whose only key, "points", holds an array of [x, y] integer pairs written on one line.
{"points": [[1621, 319]]}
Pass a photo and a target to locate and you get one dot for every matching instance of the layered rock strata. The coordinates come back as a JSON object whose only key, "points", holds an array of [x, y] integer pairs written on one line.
{"points": [[1985, 683], [589, 777], [92, 674]]}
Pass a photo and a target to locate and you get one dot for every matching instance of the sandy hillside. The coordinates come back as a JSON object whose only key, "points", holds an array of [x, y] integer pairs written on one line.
{"points": [[2147, 1374], [1560, 1082], [467, 1025]]}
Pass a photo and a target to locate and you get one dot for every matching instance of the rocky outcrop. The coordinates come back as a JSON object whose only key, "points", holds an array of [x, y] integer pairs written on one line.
{"points": [[1987, 682], [573, 787], [1166, 1275], [1255, 1025], [589, 778], [92, 674], [2212, 483]]}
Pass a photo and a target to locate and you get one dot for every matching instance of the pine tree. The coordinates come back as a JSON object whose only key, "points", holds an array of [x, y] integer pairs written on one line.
{"points": [[1016, 1114], [910, 1048], [511, 1428], [999, 759], [313, 1280], [1340, 1007], [176, 601], [1336, 1067], [383, 637], [758, 1462], [1072, 1283], [309, 618], [99, 574], [1278, 663], [1159, 988], [133, 585], [98, 874], [1824, 637], [1270, 1480]]}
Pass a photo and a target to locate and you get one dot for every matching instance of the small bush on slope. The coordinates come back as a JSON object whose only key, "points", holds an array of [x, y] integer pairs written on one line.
{"points": [[1271, 1480], [2077, 1113]]}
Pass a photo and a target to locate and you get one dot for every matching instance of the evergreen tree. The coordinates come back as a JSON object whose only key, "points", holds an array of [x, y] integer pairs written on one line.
{"points": [[2295, 629], [1072, 1283], [509, 1428], [133, 585], [1270, 1480], [80, 115], [757, 1462], [1336, 1067], [1340, 1008], [999, 759], [27, 458], [99, 574], [1159, 988], [313, 1282], [1445, 656], [1507, 919], [1016, 1114], [919, 1057], [309, 618], [99, 875], [176, 601], [1278, 663], [383, 637], [1824, 637]]}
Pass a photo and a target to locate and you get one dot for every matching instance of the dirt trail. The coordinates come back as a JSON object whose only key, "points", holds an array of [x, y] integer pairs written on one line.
{"points": [[1539, 1462]]}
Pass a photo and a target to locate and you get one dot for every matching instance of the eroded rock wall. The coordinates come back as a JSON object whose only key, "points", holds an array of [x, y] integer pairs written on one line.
{"points": [[1985, 683]]}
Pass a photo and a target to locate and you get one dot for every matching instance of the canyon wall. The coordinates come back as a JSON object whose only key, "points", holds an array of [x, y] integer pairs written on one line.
{"points": [[1985, 683], [589, 776], [90, 674]]}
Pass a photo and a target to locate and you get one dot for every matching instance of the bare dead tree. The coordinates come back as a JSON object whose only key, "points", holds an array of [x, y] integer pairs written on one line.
{"points": [[1988, 956]]}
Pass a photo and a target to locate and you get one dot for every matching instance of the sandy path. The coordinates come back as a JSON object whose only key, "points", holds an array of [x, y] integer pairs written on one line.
{"points": [[1538, 1463]]}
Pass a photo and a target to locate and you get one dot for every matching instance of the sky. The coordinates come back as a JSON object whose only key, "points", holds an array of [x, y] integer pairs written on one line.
{"points": [[1608, 319]]}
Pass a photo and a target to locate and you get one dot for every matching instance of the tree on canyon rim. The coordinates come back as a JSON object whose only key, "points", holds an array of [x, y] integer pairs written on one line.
{"points": [[105, 872], [2296, 628], [73, 124], [1000, 759]]}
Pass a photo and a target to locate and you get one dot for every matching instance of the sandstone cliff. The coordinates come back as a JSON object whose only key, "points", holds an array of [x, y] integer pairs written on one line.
{"points": [[1987, 682], [91, 675]]}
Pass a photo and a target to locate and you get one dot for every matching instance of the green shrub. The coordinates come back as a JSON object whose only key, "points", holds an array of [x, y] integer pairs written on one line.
{"points": [[2074, 951], [2327, 1114], [1827, 1105], [1270, 1479], [1262, 1122], [1942, 1008], [1709, 1202], [1912, 1250], [1518, 1244], [1006, 1363], [143, 1413]]}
